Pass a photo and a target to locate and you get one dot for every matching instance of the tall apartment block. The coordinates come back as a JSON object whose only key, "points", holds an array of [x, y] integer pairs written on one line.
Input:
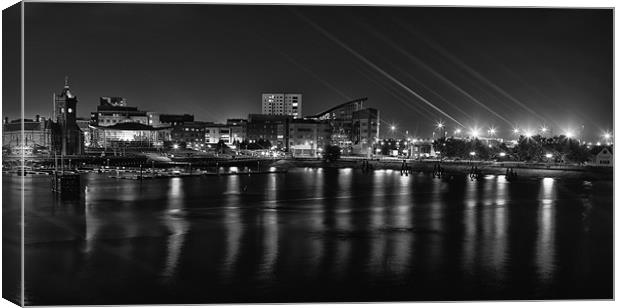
{"points": [[282, 104]]}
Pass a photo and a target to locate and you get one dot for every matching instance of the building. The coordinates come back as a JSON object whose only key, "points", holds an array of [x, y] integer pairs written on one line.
{"points": [[129, 136], [308, 137], [214, 133], [365, 130], [37, 136], [190, 135], [114, 110], [156, 119], [355, 129], [282, 104], [604, 158], [70, 138], [272, 128], [238, 130]]}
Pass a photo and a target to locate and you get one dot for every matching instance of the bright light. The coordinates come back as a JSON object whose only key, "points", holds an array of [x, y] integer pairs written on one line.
{"points": [[472, 153], [607, 135], [175, 146], [457, 131], [543, 129], [548, 155], [502, 154], [516, 130], [474, 133], [439, 125], [598, 143], [393, 127], [492, 131], [568, 134], [528, 134]]}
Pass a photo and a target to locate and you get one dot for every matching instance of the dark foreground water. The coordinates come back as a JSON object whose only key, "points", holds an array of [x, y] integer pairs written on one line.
{"points": [[316, 235]]}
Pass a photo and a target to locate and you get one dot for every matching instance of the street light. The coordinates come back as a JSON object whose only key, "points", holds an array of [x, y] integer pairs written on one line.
{"points": [[502, 154], [548, 156], [515, 131], [474, 133], [568, 134], [471, 156], [543, 129], [492, 131]]}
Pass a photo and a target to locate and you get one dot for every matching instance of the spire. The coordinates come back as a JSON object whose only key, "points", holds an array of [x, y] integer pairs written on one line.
{"points": [[66, 82]]}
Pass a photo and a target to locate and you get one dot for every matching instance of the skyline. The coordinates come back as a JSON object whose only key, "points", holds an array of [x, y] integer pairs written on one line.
{"points": [[479, 66]]}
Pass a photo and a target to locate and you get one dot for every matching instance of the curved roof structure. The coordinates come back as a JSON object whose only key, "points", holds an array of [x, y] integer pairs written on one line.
{"points": [[359, 100]]}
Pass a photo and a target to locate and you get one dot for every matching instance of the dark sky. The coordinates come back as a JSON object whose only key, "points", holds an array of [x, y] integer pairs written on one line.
{"points": [[478, 66]]}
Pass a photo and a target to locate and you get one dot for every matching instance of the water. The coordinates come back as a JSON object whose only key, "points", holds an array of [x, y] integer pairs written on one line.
{"points": [[316, 235]]}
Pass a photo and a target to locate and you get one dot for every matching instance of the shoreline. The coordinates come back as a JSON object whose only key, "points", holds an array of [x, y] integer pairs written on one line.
{"points": [[463, 168]]}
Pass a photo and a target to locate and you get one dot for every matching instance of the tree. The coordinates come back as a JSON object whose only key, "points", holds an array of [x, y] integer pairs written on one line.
{"points": [[529, 149], [332, 153]]}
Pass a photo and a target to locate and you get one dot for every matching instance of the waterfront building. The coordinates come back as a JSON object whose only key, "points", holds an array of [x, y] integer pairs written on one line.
{"points": [[114, 110], [156, 119], [272, 128], [355, 129], [37, 137], [604, 158], [214, 133], [308, 137], [238, 130], [365, 130], [129, 136], [190, 135], [282, 104], [70, 138]]}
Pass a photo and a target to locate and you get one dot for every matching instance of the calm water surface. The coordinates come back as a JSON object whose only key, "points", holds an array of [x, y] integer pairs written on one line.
{"points": [[316, 235]]}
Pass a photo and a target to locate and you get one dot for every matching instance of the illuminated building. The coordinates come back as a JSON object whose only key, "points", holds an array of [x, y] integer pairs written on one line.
{"points": [[129, 135], [354, 128], [36, 137], [114, 110], [68, 134], [282, 104], [308, 137]]}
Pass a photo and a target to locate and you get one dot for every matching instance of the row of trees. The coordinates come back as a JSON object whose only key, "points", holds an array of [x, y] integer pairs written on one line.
{"points": [[532, 149]]}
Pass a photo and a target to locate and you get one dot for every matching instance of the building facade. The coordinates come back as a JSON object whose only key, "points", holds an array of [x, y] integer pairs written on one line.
{"points": [[156, 119], [37, 137], [114, 110], [282, 104], [69, 135], [272, 128], [129, 136], [190, 135], [354, 129], [308, 137]]}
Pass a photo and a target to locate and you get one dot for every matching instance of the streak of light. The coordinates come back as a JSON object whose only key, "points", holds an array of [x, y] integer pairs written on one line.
{"points": [[438, 75], [476, 74], [374, 66]]}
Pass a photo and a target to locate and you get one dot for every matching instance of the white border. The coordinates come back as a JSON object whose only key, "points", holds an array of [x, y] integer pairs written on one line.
{"points": [[520, 3]]}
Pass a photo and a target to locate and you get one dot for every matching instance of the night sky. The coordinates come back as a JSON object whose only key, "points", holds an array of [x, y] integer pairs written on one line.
{"points": [[474, 66]]}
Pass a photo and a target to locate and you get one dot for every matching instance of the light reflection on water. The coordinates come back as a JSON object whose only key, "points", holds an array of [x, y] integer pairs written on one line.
{"points": [[319, 234]]}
